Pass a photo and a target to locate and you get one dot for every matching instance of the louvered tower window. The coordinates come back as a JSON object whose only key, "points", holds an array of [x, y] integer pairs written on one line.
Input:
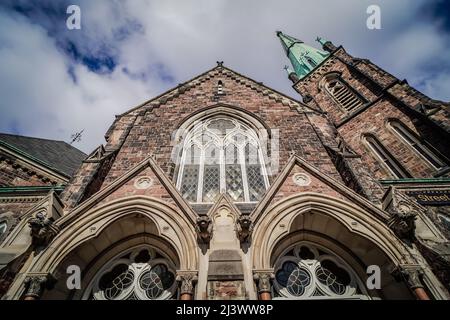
{"points": [[386, 159], [222, 155], [417, 144], [343, 94], [220, 88]]}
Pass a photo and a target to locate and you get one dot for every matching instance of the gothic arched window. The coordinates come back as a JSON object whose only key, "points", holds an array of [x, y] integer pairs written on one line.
{"points": [[140, 274], [385, 158], [221, 154], [416, 144], [342, 93], [307, 271]]}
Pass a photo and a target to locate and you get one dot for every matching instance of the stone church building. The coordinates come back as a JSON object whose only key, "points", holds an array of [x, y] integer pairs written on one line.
{"points": [[223, 188]]}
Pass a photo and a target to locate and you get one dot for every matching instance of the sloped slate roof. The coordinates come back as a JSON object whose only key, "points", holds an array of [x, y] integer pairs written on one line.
{"points": [[58, 155]]}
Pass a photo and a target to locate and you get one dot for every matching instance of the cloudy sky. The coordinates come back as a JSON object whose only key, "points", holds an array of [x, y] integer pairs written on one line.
{"points": [[55, 81]]}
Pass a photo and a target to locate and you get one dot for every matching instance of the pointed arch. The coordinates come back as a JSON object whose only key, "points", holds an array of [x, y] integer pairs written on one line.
{"points": [[277, 221], [343, 229], [223, 137], [384, 157], [417, 144], [169, 225]]}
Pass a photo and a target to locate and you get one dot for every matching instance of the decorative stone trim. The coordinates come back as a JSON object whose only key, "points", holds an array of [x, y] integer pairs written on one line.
{"points": [[411, 275], [36, 284], [143, 183], [187, 280], [263, 280], [301, 179], [223, 71], [22, 199]]}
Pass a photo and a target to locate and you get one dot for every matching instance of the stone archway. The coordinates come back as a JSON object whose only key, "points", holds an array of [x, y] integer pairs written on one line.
{"points": [[105, 230], [349, 231], [118, 241]]}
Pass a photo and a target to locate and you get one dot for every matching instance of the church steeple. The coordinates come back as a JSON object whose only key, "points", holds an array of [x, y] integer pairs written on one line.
{"points": [[303, 58]]}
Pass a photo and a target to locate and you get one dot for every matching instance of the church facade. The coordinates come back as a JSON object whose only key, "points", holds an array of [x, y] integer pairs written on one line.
{"points": [[223, 188]]}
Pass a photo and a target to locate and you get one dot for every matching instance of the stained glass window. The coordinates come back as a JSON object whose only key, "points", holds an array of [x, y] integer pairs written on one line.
{"points": [[222, 155], [211, 174], [138, 275], [189, 184], [256, 185], [306, 271], [233, 173]]}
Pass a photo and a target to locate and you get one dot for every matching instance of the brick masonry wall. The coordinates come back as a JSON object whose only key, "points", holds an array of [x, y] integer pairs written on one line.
{"points": [[12, 174], [379, 113], [11, 211], [310, 85], [151, 128]]}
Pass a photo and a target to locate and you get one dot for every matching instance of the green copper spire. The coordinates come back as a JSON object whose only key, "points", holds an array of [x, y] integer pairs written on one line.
{"points": [[303, 58]]}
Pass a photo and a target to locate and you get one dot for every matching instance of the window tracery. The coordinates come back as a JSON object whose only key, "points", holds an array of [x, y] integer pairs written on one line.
{"points": [[308, 271], [222, 155], [141, 274]]}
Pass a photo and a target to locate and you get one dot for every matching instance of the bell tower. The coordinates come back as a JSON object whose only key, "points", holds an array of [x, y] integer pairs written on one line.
{"points": [[386, 132]]}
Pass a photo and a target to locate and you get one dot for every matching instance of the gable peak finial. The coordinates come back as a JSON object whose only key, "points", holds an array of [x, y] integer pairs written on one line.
{"points": [[219, 63]]}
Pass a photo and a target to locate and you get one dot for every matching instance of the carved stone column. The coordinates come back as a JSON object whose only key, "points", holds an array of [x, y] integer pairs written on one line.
{"points": [[187, 281], [263, 280], [412, 277], [35, 286]]}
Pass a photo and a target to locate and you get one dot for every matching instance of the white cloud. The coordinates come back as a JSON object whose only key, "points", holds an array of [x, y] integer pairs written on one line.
{"points": [[39, 96]]}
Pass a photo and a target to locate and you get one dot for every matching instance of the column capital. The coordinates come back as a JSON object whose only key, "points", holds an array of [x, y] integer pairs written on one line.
{"points": [[36, 283], [263, 279], [410, 274], [187, 281]]}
